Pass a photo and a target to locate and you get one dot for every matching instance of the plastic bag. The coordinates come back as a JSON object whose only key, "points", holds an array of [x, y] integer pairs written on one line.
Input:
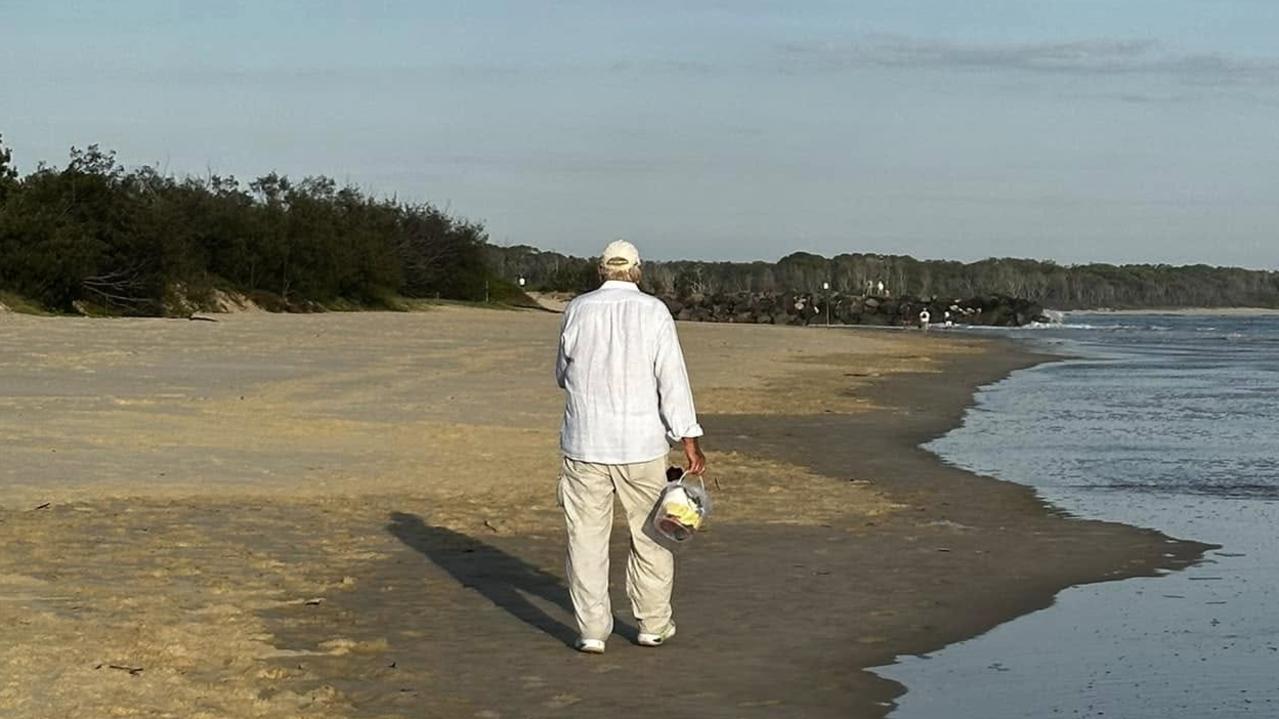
{"points": [[682, 507]]}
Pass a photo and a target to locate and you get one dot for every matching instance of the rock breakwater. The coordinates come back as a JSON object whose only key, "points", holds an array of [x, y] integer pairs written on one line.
{"points": [[780, 308]]}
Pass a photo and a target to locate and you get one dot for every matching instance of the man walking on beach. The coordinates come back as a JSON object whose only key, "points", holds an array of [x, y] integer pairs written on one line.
{"points": [[627, 389]]}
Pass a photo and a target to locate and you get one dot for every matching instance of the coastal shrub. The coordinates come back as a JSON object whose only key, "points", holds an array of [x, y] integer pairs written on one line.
{"points": [[94, 237]]}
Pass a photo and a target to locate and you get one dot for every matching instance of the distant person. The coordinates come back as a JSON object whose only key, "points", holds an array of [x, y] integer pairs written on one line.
{"points": [[948, 321], [924, 317], [627, 389]]}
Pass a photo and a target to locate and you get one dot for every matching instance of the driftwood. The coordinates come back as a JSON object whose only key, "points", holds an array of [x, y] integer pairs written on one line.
{"points": [[133, 671]]}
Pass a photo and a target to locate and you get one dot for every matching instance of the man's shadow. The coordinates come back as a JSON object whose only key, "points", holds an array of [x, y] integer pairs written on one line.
{"points": [[503, 579]]}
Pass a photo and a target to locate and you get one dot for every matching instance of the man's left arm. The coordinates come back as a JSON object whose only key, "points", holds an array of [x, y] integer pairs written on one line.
{"points": [[561, 358], [675, 395]]}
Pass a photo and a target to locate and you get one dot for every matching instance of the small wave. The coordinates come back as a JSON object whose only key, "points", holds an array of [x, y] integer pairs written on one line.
{"points": [[1056, 326], [1031, 326], [1083, 326], [1098, 327], [1241, 490]]}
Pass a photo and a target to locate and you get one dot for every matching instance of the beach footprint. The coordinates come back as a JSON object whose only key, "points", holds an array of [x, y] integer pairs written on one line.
{"points": [[532, 681]]}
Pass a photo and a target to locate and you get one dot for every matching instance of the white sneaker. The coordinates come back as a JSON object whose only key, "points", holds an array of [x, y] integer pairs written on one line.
{"points": [[655, 640], [590, 646]]}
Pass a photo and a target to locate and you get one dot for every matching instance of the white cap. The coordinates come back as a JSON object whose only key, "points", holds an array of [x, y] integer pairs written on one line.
{"points": [[620, 255]]}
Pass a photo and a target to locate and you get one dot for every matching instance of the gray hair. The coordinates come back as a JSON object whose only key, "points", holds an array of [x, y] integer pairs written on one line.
{"points": [[628, 274]]}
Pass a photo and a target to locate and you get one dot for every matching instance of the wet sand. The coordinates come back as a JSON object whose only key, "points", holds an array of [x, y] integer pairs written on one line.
{"points": [[353, 516]]}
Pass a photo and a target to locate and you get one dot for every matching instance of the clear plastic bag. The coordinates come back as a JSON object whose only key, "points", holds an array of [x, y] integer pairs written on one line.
{"points": [[682, 507]]}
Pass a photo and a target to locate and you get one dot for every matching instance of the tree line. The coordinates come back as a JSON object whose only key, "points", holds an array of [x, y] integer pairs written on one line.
{"points": [[1044, 282], [93, 236]]}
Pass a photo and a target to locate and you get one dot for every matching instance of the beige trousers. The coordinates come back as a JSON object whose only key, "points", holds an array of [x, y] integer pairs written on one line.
{"points": [[586, 493]]}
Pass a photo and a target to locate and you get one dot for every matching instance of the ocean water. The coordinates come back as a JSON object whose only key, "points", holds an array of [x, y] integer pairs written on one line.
{"points": [[1166, 422]]}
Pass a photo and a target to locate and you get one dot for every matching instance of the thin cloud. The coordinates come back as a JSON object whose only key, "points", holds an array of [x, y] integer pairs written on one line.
{"points": [[1095, 57]]}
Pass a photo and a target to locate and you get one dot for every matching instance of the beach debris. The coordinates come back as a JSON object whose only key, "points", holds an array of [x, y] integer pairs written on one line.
{"points": [[947, 524], [313, 602], [498, 525], [343, 646], [560, 701], [133, 671], [198, 318], [761, 703], [46, 505]]}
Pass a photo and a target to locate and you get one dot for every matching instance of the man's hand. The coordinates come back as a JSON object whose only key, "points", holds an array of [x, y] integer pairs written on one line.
{"points": [[693, 453]]}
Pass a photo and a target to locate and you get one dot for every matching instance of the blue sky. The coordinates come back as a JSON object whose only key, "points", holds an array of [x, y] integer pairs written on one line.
{"points": [[1077, 130]]}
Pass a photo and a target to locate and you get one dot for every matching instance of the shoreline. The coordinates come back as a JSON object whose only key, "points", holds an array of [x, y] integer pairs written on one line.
{"points": [[290, 508], [1128, 648], [1183, 311], [1005, 552]]}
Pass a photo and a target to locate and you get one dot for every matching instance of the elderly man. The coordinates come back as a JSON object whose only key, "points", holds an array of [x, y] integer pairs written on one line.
{"points": [[622, 370]]}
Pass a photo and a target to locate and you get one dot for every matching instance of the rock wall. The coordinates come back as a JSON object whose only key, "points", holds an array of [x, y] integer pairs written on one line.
{"points": [[807, 309]]}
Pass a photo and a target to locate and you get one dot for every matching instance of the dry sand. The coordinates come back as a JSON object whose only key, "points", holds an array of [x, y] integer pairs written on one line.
{"points": [[352, 515]]}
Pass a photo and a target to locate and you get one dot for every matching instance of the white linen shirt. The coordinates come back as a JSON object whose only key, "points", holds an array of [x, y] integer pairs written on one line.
{"points": [[623, 372]]}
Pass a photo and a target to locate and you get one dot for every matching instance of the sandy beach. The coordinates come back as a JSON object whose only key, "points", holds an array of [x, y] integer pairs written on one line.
{"points": [[352, 515]]}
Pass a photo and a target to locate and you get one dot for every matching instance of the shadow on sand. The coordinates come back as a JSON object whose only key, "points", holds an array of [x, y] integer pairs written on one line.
{"points": [[504, 579]]}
